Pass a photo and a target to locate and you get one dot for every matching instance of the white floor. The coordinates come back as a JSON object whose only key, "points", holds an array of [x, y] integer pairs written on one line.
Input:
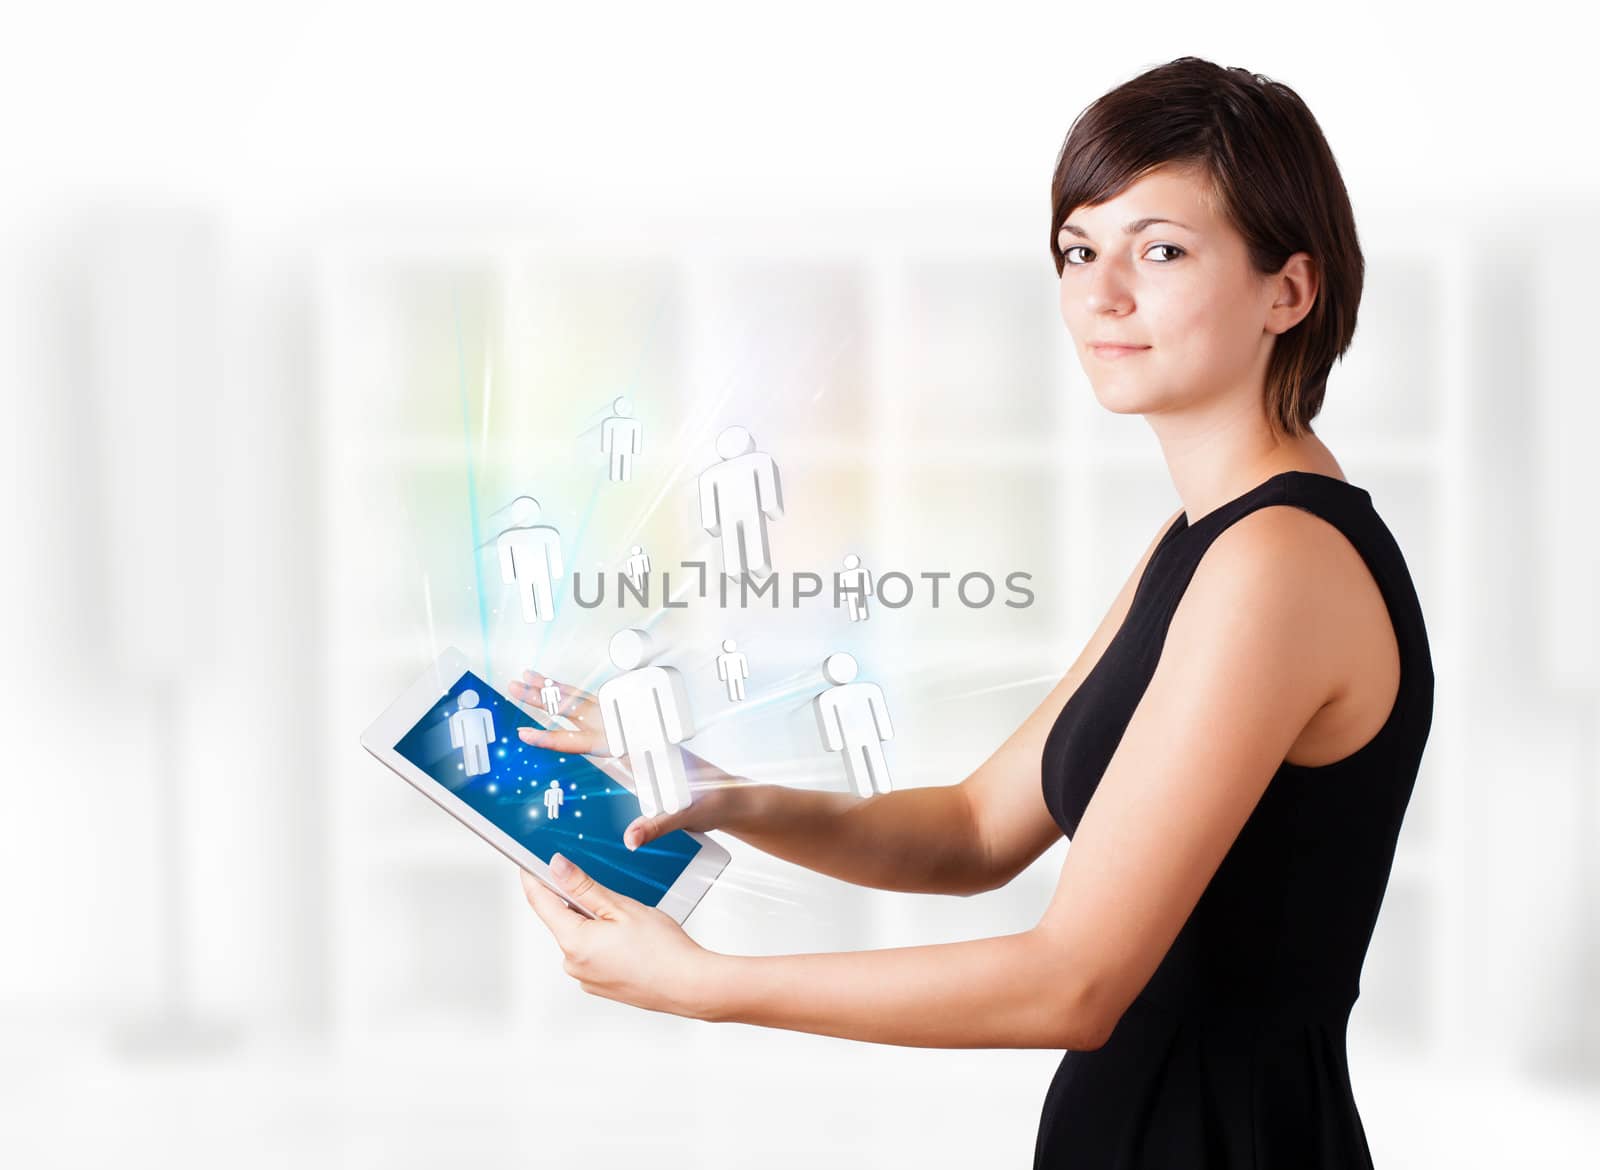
{"points": [[659, 1096]]}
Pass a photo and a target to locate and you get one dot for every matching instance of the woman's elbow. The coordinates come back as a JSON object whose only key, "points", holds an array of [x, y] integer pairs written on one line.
{"points": [[1084, 1034], [1086, 1019]]}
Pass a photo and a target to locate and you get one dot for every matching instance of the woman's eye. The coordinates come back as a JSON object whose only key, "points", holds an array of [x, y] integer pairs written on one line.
{"points": [[1066, 253]]}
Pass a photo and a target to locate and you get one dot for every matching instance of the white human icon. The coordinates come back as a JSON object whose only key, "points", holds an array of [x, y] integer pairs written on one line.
{"points": [[553, 800], [856, 585], [472, 730], [530, 557], [733, 668], [638, 566], [645, 710], [550, 693], [621, 437], [737, 497], [854, 719]]}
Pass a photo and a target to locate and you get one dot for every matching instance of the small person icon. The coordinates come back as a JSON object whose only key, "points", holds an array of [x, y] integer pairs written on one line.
{"points": [[638, 566], [733, 668], [645, 710], [621, 438], [854, 719], [554, 798], [550, 695], [737, 498], [856, 585], [530, 557], [472, 730]]}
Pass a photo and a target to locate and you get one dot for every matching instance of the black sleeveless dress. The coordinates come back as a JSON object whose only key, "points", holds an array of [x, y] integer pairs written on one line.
{"points": [[1233, 1055]]}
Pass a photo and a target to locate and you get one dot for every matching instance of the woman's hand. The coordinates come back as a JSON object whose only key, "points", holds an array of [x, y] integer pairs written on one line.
{"points": [[577, 704], [630, 952], [720, 801], [732, 805]]}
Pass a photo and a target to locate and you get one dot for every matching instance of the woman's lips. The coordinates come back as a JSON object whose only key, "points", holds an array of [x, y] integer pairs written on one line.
{"points": [[1113, 352]]}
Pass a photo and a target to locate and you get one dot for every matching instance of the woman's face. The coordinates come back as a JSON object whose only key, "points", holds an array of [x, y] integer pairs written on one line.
{"points": [[1183, 293]]}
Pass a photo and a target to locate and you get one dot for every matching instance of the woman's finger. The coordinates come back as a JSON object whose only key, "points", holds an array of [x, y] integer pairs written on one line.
{"points": [[644, 829], [581, 743], [604, 901], [525, 692], [637, 833], [534, 680], [578, 701], [529, 690]]}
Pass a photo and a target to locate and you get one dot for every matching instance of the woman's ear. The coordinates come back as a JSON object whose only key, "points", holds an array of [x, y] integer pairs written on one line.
{"points": [[1294, 292]]}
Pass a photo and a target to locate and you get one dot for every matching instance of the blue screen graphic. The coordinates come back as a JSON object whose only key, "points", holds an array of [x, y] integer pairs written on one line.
{"points": [[515, 785]]}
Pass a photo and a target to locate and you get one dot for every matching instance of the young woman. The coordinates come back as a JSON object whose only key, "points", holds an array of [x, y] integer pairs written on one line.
{"points": [[1232, 752]]}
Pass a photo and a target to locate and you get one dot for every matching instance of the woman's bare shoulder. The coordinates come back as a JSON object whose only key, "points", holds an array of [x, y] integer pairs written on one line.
{"points": [[1310, 568]]}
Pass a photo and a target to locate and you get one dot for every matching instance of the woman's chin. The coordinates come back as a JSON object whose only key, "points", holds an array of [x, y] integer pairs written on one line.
{"points": [[1120, 400]]}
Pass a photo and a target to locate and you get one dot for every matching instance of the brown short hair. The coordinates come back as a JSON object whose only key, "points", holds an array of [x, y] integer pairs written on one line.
{"points": [[1271, 174]]}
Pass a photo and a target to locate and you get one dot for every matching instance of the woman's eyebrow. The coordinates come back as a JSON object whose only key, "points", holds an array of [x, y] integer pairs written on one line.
{"points": [[1131, 229]]}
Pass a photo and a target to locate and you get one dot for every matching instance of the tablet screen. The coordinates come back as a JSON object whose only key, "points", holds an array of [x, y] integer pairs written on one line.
{"points": [[543, 800]]}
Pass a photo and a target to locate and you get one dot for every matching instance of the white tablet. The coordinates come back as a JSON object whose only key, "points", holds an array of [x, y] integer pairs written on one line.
{"points": [[454, 737]]}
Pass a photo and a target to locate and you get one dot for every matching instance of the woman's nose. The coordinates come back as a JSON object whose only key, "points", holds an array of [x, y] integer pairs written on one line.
{"points": [[1106, 290]]}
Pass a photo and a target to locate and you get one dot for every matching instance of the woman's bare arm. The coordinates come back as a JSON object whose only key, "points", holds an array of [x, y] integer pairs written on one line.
{"points": [[916, 839], [1001, 992], [961, 838], [1191, 766]]}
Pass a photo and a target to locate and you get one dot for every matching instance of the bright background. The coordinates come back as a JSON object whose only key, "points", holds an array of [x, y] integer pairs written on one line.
{"points": [[298, 298]]}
